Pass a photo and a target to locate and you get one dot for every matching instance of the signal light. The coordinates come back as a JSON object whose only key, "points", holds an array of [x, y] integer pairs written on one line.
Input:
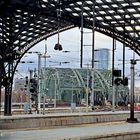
{"points": [[117, 73], [32, 90], [125, 82], [33, 97], [118, 81], [26, 80]]}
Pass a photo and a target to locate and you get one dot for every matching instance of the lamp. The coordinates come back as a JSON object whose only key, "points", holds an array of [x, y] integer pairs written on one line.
{"points": [[58, 46]]}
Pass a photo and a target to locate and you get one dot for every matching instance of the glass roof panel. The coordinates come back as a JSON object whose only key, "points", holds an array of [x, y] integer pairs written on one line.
{"points": [[108, 14], [131, 10], [77, 9], [136, 3], [136, 15], [114, 5]]}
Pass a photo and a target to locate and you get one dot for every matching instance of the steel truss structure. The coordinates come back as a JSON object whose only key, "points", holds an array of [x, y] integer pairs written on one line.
{"points": [[61, 83], [25, 23]]}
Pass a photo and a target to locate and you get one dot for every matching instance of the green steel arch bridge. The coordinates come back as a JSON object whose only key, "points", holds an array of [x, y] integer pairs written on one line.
{"points": [[62, 83], [24, 23]]}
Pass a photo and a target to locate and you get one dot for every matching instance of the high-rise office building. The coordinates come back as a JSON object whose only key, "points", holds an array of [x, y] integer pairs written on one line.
{"points": [[102, 58]]}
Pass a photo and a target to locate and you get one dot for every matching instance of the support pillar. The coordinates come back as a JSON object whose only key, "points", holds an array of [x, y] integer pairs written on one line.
{"points": [[8, 91], [113, 86], [132, 119], [92, 63], [39, 69], [0, 84], [81, 55], [7, 105]]}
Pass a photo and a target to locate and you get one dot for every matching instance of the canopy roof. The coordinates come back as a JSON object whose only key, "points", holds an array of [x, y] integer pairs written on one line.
{"points": [[23, 23]]}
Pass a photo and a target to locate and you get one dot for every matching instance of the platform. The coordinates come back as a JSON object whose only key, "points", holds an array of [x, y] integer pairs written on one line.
{"points": [[100, 131]]}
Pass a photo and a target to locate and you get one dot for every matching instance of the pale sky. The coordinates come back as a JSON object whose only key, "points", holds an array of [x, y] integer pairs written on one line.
{"points": [[70, 41]]}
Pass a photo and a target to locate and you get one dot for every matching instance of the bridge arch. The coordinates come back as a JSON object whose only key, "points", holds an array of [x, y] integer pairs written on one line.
{"points": [[75, 81]]}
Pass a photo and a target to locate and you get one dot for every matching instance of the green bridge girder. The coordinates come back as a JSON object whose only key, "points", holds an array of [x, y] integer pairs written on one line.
{"points": [[63, 81]]}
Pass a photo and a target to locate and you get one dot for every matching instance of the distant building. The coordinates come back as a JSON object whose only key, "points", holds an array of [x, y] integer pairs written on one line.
{"points": [[19, 84], [137, 94], [102, 58]]}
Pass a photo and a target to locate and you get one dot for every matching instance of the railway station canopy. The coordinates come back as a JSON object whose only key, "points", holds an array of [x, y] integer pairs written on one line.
{"points": [[24, 23]]}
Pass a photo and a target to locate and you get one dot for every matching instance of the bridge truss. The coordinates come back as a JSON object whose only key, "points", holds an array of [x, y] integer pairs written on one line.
{"points": [[63, 83]]}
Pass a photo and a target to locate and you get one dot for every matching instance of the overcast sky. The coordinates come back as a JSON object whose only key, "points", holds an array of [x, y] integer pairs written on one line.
{"points": [[70, 41]]}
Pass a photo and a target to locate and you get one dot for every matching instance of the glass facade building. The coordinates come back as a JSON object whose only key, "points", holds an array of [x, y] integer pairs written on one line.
{"points": [[102, 58]]}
